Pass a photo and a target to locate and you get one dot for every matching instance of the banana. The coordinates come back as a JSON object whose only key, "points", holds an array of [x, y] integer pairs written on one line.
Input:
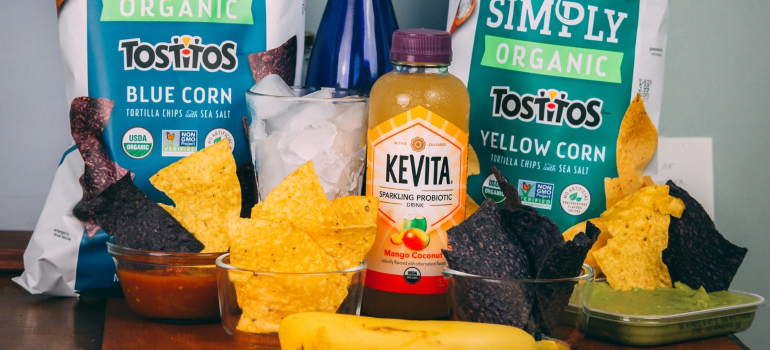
{"points": [[326, 331]]}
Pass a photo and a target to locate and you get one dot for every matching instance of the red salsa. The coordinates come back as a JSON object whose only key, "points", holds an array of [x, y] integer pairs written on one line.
{"points": [[172, 294]]}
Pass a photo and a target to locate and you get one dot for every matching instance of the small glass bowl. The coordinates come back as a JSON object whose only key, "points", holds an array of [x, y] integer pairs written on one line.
{"points": [[277, 295], [168, 287], [504, 301]]}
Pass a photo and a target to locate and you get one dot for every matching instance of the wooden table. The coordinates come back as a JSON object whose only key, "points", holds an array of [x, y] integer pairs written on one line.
{"points": [[102, 320]]}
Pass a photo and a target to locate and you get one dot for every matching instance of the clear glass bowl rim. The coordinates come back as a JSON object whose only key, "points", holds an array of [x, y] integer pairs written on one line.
{"points": [[362, 95], [160, 258], [586, 276], [220, 263]]}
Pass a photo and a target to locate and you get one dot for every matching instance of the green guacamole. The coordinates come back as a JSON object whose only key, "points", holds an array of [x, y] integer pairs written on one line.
{"points": [[661, 301]]}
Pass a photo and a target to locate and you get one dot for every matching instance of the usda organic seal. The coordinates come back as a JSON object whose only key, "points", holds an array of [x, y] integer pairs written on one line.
{"points": [[137, 143], [490, 189]]}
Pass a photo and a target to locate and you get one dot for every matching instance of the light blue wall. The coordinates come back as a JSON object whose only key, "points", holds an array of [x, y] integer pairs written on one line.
{"points": [[34, 127], [717, 85]]}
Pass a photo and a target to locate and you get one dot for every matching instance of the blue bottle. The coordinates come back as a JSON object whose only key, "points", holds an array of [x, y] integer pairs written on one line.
{"points": [[352, 47]]}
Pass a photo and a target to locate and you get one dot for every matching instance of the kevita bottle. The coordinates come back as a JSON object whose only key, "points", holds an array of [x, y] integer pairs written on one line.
{"points": [[417, 166]]}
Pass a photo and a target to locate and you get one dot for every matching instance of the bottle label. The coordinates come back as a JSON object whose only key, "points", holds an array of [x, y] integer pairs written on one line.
{"points": [[418, 166]]}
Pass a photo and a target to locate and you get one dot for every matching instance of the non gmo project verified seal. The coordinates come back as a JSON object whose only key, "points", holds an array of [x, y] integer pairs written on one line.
{"points": [[179, 143], [536, 194]]}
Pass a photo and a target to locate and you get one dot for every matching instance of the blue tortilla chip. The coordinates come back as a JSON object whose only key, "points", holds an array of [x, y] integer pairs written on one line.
{"points": [[248, 181], [135, 221], [565, 260], [536, 232], [88, 117], [481, 247], [697, 254]]}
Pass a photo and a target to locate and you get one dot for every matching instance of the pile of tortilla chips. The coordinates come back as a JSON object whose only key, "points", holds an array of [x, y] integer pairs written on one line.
{"points": [[640, 241], [516, 243], [296, 230], [637, 142], [208, 192]]}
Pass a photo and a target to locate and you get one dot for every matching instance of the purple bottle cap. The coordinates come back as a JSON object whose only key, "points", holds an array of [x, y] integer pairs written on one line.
{"points": [[421, 46]]}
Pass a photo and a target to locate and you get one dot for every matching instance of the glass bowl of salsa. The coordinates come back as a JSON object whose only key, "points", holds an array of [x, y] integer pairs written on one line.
{"points": [[168, 287], [252, 303], [535, 305]]}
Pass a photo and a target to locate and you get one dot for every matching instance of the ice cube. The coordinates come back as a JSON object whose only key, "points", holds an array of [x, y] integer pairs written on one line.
{"points": [[344, 143], [330, 190], [257, 129], [353, 117], [312, 114], [301, 116], [271, 169], [284, 143], [354, 170], [272, 85], [271, 105], [313, 139], [323, 93], [329, 165]]}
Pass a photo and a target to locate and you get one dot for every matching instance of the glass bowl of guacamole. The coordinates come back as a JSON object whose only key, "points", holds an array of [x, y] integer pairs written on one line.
{"points": [[641, 317]]}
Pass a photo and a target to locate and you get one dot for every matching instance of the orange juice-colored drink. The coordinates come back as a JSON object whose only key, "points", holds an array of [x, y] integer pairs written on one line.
{"points": [[417, 154]]}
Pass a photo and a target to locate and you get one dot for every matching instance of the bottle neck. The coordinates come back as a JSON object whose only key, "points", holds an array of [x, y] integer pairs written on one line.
{"points": [[429, 68]]}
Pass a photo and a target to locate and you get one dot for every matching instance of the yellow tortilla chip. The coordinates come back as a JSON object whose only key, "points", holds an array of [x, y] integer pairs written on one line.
{"points": [[206, 194], [348, 241], [168, 208], [300, 200], [267, 299], [637, 142], [355, 210], [638, 224], [646, 214], [601, 241], [616, 189], [346, 245], [264, 245], [473, 162], [255, 210], [470, 206], [632, 264], [647, 181]]}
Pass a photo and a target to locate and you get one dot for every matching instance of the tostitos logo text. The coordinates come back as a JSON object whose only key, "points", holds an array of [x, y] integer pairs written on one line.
{"points": [[550, 107], [183, 53]]}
